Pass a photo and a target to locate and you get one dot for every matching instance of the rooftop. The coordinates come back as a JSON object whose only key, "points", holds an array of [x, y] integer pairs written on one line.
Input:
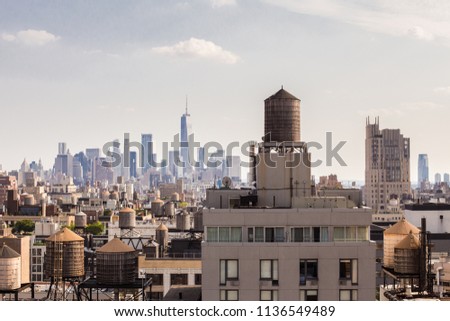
{"points": [[282, 94]]}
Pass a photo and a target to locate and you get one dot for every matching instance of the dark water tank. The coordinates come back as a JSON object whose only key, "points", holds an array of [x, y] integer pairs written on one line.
{"points": [[282, 118]]}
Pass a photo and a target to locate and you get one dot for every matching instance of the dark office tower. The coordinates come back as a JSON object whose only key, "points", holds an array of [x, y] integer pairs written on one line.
{"points": [[423, 172], [147, 151], [133, 164]]}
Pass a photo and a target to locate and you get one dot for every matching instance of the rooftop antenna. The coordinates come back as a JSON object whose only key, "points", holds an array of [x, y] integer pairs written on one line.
{"points": [[187, 105]]}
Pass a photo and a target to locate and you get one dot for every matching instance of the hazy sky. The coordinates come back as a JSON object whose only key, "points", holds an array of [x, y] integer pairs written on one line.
{"points": [[86, 72]]}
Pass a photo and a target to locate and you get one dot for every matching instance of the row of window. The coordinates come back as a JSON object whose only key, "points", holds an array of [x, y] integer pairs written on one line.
{"points": [[297, 234], [175, 279], [308, 270], [304, 295]]}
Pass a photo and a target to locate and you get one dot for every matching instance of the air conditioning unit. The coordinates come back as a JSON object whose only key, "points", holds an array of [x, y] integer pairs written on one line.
{"points": [[313, 282], [343, 282], [234, 283]]}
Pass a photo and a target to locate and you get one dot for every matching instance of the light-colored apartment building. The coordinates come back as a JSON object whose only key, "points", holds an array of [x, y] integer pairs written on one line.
{"points": [[387, 166]]}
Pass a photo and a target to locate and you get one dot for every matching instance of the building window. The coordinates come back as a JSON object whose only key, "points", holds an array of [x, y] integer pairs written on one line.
{"points": [[301, 234], [351, 233], [308, 270], [156, 296], [198, 279], [269, 271], [348, 270], [348, 295], [265, 234], [309, 295], [157, 279], [178, 279], [229, 295], [324, 234], [309, 234], [224, 234], [229, 271], [268, 295]]}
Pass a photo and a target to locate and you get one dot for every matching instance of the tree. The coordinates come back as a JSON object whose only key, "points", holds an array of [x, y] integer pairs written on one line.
{"points": [[23, 226], [95, 228]]}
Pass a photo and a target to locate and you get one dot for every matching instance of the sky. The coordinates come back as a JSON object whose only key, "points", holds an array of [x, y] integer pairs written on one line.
{"points": [[86, 72]]}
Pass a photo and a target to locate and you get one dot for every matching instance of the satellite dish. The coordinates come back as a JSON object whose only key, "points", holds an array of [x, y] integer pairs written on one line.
{"points": [[226, 181]]}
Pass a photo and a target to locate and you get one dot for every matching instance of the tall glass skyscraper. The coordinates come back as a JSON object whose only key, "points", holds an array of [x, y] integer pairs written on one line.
{"points": [[186, 130], [423, 173]]}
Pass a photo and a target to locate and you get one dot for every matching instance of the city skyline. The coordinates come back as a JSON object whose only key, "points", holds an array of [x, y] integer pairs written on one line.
{"points": [[80, 79]]}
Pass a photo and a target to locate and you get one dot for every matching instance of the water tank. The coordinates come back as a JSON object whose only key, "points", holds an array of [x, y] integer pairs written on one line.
{"points": [[80, 220], [28, 200], [157, 208], [116, 264], [175, 197], [10, 271], [407, 255], [162, 235], [114, 196], [127, 219], [105, 196], [114, 218], [169, 209], [64, 256], [282, 117], [392, 236], [151, 250], [183, 221]]}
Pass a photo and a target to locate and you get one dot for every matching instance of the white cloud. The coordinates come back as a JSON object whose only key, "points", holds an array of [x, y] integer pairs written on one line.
{"points": [[442, 90], [198, 48], [30, 37], [222, 3], [421, 19], [420, 33], [8, 37]]}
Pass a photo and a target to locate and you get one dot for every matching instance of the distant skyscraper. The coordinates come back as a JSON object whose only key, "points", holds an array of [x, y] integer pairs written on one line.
{"points": [[186, 131], [62, 148], [201, 158], [92, 153], [146, 154], [64, 164], [133, 164], [387, 166], [446, 178], [437, 178], [63, 161], [233, 168], [423, 172]]}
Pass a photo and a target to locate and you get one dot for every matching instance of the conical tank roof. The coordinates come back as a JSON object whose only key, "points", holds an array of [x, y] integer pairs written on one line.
{"points": [[162, 227], [410, 242], [8, 253], [282, 94], [65, 235], [402, 227], [126, 210], [115, 246]]}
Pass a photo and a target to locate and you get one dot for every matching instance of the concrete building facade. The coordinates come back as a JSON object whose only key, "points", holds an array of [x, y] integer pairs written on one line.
{"points": [[288, 254]]}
